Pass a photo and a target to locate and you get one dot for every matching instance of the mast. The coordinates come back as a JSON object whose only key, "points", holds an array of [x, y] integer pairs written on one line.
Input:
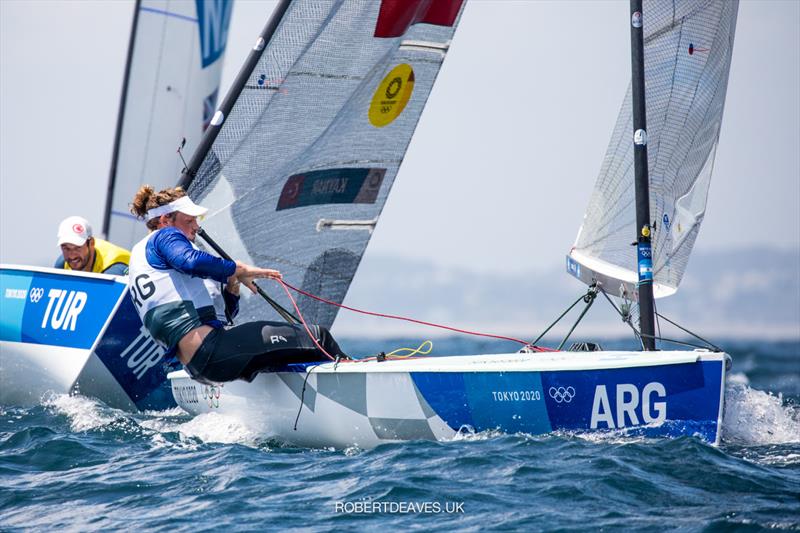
{"points": [[642, 180], [112, 176], [189, 173]]}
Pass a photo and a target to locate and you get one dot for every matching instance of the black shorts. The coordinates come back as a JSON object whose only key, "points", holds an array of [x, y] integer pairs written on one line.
{"points": [[242, 351]]}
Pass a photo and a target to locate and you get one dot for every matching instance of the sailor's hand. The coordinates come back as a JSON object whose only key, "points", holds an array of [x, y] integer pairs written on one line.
{"points": [[269, 274], [232, 285], [247, 273]]}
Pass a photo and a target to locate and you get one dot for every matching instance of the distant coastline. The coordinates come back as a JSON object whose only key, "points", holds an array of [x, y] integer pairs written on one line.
{"points": [[747, 293]]}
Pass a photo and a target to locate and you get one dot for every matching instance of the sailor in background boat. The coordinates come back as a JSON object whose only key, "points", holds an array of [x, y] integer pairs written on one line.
{"points": [[80, 250], [167, 274]]}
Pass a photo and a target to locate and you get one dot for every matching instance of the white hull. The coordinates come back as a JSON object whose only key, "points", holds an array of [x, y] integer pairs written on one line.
{"points": [[63, 331], [29, 371], [368, 403]]}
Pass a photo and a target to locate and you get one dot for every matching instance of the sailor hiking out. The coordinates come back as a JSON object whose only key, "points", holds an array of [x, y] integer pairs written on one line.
{"points": [[173, 290]]}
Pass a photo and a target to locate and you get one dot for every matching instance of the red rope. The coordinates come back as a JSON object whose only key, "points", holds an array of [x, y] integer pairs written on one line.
{"points": [[395, 317], [303, 320]]}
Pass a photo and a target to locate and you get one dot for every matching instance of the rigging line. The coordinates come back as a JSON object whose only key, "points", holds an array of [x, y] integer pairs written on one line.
{"points": [[337, 360], [303, 321], [658, 322], [589, 299], [558, 319], [684, 343], [396, 317], [303, 395], [659, 337], [626, 319], [695, 335]]}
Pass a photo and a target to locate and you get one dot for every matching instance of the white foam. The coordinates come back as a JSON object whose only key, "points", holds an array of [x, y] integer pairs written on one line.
{"points": [[468, 434], [84, 413], [622, 436], [350, 451], [214, 427], [208, 427], [757, 417], [175, 411]]}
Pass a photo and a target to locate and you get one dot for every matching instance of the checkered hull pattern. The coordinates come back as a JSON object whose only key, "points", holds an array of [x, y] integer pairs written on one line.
{"points": [[351, 405]]}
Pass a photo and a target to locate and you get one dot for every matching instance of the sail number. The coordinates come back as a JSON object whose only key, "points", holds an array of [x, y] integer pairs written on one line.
{"points": [[63, 309], [629, 406]]}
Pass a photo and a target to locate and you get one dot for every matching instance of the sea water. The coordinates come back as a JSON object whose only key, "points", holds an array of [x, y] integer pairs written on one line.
{"points": [[74, 463]]}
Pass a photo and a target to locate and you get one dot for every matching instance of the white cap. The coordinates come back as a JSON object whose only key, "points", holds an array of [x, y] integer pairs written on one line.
{"points": [[184, 204], [74, 230]]}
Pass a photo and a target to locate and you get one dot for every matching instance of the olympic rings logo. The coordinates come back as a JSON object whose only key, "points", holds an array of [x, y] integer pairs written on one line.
{"points": [[211, 395], [36, 294], [561, 394]]}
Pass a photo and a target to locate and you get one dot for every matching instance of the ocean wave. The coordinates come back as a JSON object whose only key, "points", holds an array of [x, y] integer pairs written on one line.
{"points": [[755, 417], [209, 428], [169, 428], [85, 414]]}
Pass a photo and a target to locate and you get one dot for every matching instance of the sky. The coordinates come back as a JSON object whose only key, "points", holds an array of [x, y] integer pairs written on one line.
{"points": [[501, 167]]}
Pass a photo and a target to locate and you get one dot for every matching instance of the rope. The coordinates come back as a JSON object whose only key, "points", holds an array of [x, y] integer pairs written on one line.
{"points": [[395, 317], [625, 317], [558, 319], [302, 396], [589, 299], [695, 335], [658, 322], [413, 351], [683, 343], [303, 321], [658, 337]]}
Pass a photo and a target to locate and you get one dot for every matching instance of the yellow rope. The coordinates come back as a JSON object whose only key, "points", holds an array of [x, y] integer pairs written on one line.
{"points": [[412, 351]]}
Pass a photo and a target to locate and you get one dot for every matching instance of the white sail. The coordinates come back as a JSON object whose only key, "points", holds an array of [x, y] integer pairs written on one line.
{"points": [[687, 55], [172, 85], [305, 159]]}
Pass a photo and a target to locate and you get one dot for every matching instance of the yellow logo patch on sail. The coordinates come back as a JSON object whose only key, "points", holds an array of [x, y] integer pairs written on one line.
{"points": [[391, 96]]}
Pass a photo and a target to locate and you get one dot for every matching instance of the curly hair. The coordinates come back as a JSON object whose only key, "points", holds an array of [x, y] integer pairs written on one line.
{"points": [[146, 198]]}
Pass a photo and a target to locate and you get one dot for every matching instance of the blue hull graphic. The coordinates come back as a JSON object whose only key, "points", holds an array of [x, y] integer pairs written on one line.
{"points": [[135, 360], [668, 400], [366, 403], [62, 331]]}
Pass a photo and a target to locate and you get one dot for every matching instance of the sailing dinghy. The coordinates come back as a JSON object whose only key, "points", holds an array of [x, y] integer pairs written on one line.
{"points": [[298, 163], [63, 331]]}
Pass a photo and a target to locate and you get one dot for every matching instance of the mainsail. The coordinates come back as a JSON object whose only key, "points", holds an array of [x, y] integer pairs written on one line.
{"points": [[687, 53], [170, 92], [303, 163]]}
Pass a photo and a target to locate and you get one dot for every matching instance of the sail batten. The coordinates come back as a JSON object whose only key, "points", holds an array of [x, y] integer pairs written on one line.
{"points": [[687, 53]]}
